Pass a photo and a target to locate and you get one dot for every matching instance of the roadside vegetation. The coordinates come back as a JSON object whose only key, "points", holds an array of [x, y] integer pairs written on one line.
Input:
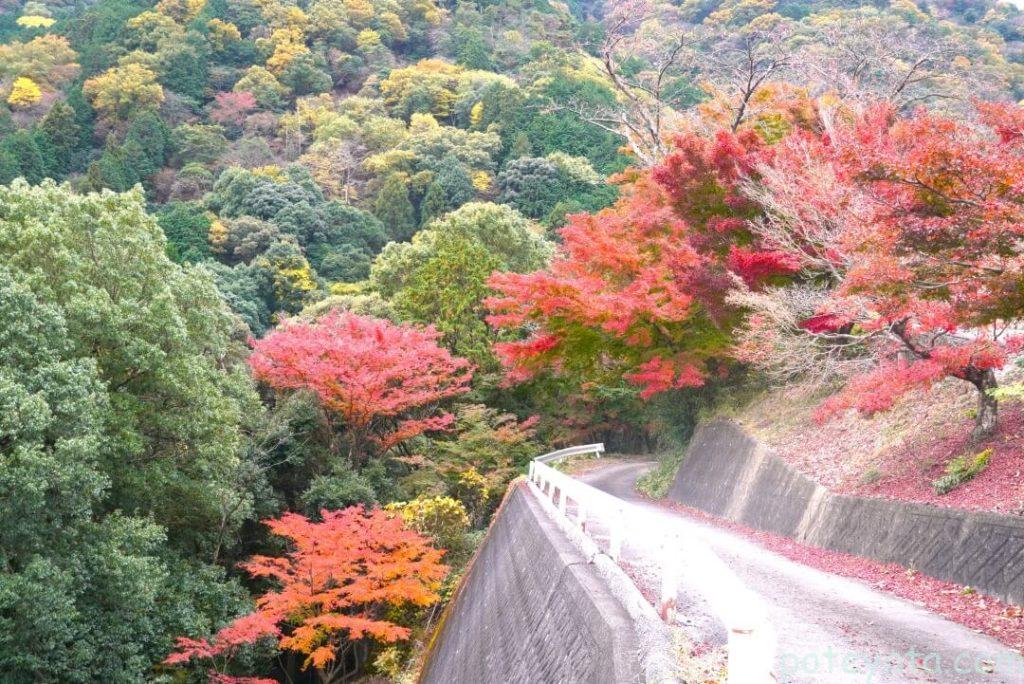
{"points": [[296, 288]]}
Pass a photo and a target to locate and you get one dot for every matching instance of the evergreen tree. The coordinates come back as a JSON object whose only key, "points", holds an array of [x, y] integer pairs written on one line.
{"points": [[63, 134], [22, 151], [111, 170], [149, 141], [394, 209], [434, 203], [185, 71], [186, 226], [471, 49], [521, 147], [9, 167], [451, 188]]}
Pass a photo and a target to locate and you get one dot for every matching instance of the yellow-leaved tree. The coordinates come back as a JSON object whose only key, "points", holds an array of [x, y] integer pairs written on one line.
{"points": [[121, 91], [24, 93]]}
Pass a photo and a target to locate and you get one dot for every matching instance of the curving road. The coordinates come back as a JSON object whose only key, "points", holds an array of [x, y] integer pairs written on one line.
{"points": [[829, 628]]}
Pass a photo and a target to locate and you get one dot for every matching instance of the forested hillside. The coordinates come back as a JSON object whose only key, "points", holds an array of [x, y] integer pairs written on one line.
{"points": [[292, 289]]}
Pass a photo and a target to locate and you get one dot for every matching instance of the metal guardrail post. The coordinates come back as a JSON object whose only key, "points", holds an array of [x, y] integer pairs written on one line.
{"points": [[748, 664]]}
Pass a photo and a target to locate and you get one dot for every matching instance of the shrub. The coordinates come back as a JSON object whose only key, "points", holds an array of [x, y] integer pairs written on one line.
{"points": [[471, 488], [441, 517], [656, 482], [960, 470], [342, 488]]}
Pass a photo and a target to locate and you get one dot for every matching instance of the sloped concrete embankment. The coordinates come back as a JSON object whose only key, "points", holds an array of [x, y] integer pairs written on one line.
{"points": [[730, 475], [533, 609]]}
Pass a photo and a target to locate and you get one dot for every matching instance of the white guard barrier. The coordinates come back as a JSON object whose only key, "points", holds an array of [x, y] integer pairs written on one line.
{"points": [[682, 555]]}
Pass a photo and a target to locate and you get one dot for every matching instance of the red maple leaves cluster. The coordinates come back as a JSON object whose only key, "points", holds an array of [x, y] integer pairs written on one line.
{"points": [[639, 289], [933, 272], [910, 229], [381, 379]]}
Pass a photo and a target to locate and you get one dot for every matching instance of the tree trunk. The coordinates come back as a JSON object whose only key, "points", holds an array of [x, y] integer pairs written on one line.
{"points": [[985, 421]]}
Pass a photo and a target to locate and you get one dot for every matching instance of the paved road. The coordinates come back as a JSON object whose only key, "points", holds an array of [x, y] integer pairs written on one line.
{"points": [[829, 628]]}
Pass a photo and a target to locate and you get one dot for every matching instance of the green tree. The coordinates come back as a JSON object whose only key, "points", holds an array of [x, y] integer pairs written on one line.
{"points": [[84, 595], [533, 186], [447, 290], [199, 143], [149, 139], [187, 227], [304, 75], [24, 157], [185, 70], [63, 133], [440, 277], [160, 337], [394, 208], [451, 188], [114, 170], [471, 50]]}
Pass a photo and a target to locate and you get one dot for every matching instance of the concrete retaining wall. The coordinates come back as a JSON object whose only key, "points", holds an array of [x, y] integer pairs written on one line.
{"points": [[532, 609], [730, 475]]}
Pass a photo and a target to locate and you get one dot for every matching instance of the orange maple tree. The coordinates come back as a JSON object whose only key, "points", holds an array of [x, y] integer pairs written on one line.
{"points": [[334, 589]]}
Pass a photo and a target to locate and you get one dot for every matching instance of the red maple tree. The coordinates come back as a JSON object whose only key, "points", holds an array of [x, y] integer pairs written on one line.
{"points": [[938, 267], [334, 590], [230, 109], [918, 233], [638, 289], [384, 380]]}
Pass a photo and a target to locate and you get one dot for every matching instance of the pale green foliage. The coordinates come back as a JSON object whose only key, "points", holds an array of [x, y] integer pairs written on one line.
{"points": [[488, 449], [428, 143], [361, 303], [656, 482], [441, 276], [511, 238]]}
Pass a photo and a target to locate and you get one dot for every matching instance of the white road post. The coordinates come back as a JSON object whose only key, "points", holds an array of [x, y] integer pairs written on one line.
{"points": [[748, 660], [671, 561], [617, 532]]}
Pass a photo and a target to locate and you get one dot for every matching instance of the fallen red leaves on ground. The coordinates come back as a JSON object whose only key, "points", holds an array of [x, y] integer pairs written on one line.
{"points": [[1002, 621], [907, 472]]}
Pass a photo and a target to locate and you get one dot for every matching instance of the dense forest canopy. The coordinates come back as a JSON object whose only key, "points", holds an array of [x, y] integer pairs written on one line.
{"points": [[299, 286]]}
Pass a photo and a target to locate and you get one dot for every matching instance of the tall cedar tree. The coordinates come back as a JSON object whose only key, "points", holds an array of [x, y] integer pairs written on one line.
{"points": [[394, 209]]}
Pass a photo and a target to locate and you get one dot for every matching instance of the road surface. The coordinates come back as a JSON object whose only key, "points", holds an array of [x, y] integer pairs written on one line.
{"points": [[829, 628]]}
